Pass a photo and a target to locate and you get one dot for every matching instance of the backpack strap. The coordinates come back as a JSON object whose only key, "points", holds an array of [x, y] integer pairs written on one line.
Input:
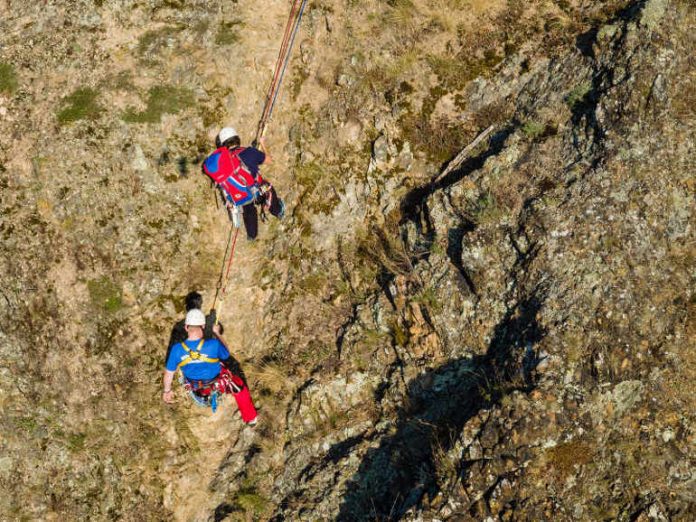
{"points": [[242, 166], [195, 355]]}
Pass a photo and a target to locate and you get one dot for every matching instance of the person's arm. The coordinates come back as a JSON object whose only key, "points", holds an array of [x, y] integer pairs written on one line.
{"points": [[262, 148], [217, 332], [167, 394], [224, 353]]}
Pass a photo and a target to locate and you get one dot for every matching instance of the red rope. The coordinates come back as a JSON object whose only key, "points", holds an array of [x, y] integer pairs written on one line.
{"points": [[223, 291], [281, 56], [287, 37]]}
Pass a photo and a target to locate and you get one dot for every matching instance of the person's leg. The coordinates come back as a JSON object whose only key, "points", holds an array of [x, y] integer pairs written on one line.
{"points": [[251, 221]]}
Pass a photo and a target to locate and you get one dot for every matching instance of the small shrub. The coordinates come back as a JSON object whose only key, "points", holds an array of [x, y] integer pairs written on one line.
{"points": [[578, 96], [487, 209], [162, 99], [533, 129], [80, 105], [383, 247], [8, 78]]}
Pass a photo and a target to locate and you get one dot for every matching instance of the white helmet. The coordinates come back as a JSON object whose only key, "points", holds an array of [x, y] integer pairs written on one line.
{"points": [[226, 133], [195, 318]]}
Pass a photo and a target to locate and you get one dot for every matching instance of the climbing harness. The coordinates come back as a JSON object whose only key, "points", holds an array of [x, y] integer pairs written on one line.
{"points": [[210, 392], [194, 355], [284, 54]]}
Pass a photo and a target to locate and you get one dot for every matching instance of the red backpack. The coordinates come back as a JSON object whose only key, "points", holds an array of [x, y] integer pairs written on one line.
{"points": [[228, 171]]}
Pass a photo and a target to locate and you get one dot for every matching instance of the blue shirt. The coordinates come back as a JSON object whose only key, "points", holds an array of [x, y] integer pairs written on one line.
{"points": [[196, 370], [252, 158]]}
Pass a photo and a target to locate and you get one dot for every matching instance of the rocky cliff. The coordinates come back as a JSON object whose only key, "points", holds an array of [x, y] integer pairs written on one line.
{"points": [[436, 331]]}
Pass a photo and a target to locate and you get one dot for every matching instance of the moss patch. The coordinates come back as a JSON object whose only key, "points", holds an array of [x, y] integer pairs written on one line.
{"points": [[152, 41], [80, 105], [319, 186], [8, 78], [251, 501], [161, 99], [105, 294]]}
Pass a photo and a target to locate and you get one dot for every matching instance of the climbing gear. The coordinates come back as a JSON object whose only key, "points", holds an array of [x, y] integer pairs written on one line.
{"points": [[284, 54], [229, 172], [226, 133], [221, 289], [194, 317], [226, 168], [235, 215], [195, 355], [225, 382], [211, 392]]}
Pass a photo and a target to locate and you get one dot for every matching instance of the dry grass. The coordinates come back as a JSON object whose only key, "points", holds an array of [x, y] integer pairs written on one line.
{"points": [[272, 378], [385, 248]]}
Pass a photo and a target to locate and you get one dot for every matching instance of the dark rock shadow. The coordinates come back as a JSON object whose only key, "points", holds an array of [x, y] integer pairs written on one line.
{"points": [[585, 42], [398, 474], [455, 249]]}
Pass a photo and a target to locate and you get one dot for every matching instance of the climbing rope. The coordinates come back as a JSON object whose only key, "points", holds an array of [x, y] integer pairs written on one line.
{"points": [[224, 279], [291, 28]]}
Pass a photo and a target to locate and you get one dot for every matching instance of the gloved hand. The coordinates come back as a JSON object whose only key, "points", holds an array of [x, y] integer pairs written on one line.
{"points": [[265, 187]]}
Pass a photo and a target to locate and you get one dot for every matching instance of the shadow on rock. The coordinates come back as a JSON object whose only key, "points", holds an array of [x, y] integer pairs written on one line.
{"points": [[414, 203], [403, 469]]}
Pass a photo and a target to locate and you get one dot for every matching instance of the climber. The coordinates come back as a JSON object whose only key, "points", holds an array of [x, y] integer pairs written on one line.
{"points": [[235, 169], [178, 334], [204, 365]]}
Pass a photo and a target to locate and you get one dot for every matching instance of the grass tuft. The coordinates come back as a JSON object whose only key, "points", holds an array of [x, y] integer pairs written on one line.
{"points": [[151, 42], [533, 129], [8, 78]]}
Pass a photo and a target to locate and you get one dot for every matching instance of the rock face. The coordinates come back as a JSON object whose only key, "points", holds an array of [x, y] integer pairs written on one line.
{"points": [[506, 335], [529, 355]]}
